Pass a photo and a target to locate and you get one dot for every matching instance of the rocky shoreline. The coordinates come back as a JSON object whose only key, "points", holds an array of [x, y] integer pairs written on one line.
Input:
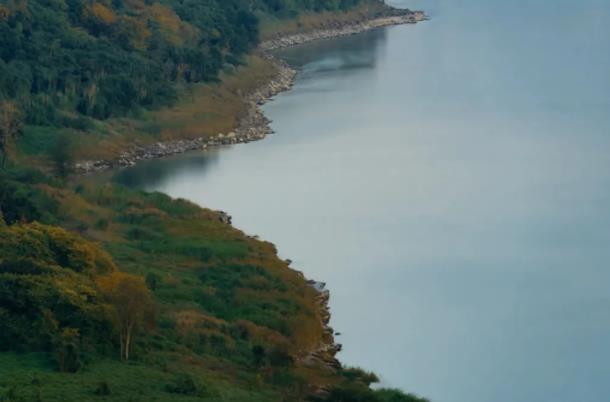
{"points": [[254, 125], [343, 29], [325, 353]]}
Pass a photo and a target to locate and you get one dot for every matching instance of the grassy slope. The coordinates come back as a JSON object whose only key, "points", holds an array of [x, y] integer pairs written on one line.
{"points": [[214, 283], [30, 377]]}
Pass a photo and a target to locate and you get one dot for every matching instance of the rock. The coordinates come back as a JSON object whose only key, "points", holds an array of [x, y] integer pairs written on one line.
{"points": [[224, 217]]}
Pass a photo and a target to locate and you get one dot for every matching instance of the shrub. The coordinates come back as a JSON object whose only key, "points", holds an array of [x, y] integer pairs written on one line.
{"points": [[68, 351], [279, 357], [101, 224], [103, 389], [358, 374], [152, 280], [184, 384]]}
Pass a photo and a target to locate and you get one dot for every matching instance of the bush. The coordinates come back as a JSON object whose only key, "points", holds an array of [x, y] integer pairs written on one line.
{"points": [[396, 395], [358, 374], [20, 202], [101, 224], [61, 154], [103, 389], [68, 351], [184, 384], [279, 357], [152, 281]]}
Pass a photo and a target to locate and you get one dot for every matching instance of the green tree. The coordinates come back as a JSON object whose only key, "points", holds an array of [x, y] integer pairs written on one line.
{"points": [[62, 155], [152, 280], [68, 351]]}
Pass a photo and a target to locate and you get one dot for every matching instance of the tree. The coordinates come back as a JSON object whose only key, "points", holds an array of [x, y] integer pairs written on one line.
{"points": [[10, 126], [68, 355], [62, 155], [133, 305], [152, 280]]}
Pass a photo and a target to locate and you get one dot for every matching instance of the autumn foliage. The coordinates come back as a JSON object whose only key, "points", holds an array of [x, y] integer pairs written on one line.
{"points": [[58, 290], [133, 306], [47, 291]]}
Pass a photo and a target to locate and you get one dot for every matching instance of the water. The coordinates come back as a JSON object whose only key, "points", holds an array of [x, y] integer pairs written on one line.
{"points": [[450, 181]]}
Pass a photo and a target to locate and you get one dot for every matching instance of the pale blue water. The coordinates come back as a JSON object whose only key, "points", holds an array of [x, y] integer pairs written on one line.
{"points": [[450, 181]]}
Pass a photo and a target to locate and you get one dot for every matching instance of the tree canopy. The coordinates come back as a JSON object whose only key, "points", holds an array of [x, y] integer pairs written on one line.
{"points": [[63, 61]]}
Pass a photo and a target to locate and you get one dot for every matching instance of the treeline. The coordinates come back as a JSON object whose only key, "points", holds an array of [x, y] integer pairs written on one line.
{"points": [[64, 61]]}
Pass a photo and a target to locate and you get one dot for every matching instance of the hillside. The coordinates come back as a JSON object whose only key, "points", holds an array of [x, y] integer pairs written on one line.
{"points": [[218, 316], [118, 295], [98, 76]]}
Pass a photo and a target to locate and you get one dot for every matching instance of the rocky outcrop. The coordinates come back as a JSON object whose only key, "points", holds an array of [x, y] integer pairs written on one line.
{"points": [[224, 217], [324, 354]]}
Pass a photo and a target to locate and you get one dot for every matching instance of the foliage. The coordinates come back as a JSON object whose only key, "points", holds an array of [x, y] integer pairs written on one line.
{"points": [[47, 297], [233, 321], [132, 303], [22, 200], [358, 374], [395, 395], [10, 127], [226, 308], [186, 385], [62, 155], [63, 62], [68, 351], [355, 392]]}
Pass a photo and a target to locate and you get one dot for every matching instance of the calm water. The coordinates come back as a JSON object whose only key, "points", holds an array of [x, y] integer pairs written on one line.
{"points": [[450, 181]]}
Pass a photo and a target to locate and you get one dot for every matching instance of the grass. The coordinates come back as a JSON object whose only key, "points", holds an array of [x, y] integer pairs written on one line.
{"points": [[30, 377], [218, 294], [202, 110]]}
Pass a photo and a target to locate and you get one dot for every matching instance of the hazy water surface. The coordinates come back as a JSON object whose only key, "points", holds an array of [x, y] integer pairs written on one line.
{"points": [[450, 181]]}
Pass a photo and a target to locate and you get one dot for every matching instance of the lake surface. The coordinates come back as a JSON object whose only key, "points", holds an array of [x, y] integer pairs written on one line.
{"points": [[450, 181]]}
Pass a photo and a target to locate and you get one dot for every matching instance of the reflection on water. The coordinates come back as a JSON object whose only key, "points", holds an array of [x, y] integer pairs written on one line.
{"points": [[153, 174], [342, 54], [450, 181]]}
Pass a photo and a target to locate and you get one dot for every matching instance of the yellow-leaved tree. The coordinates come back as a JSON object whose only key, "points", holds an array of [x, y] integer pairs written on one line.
{"points": [[133, 305]]}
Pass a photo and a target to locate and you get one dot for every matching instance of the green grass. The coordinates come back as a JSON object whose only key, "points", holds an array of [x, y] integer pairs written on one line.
{"points": [[31, 377], [218, 295]]}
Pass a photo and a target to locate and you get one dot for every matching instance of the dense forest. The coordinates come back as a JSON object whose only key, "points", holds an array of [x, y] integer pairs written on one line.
{"points": [[63, 61]]}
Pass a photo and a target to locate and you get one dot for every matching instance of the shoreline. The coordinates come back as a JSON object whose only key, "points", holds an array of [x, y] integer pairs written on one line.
{"points": [[399, 18], [254, 125]]}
